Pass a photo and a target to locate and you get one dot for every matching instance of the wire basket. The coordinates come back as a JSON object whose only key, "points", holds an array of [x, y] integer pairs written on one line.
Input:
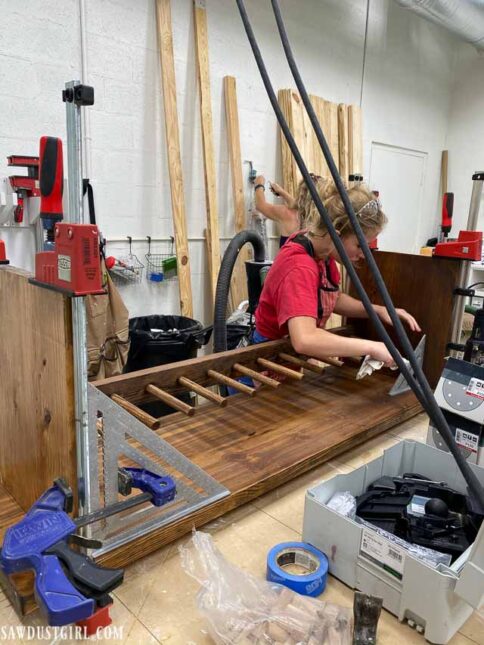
{"points": [[127, 269], [161, 267]]}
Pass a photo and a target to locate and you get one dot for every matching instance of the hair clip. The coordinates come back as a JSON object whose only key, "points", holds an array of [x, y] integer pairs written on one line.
{"points": [[373, 206]]}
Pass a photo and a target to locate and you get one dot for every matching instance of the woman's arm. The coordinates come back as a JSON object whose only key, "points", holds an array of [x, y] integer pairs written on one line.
{"points": [[353, 308], [310, 340], [280, 192], [274, 212]]}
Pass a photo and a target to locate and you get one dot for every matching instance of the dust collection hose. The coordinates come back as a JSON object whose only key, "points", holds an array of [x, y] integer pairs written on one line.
{"points": [[223, 282], [425, 394]]}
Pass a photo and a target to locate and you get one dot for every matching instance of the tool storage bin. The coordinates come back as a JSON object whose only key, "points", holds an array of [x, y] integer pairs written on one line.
{"points": [[436, 601]]}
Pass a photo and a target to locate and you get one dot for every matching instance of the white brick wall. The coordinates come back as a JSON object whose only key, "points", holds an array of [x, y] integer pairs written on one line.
{"points": [[405, 102]]}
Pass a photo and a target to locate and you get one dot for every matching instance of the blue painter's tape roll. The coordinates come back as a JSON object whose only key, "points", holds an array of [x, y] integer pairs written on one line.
{"points": [[312, 563]]}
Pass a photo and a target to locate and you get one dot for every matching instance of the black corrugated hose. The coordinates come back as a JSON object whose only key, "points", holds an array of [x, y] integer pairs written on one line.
{"points": [[419, 383], [223, 282]]}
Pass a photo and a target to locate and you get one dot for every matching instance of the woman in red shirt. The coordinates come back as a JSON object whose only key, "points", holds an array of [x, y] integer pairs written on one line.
{"points": [[301, 290]]}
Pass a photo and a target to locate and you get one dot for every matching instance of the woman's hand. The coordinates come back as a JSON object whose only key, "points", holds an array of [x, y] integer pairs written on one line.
{"points": [[275, 188], [402, 314], [260, 179], [379, 352]]}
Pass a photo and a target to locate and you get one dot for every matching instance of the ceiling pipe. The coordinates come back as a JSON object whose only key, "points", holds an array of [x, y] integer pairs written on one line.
{"points": [[464, 18]]}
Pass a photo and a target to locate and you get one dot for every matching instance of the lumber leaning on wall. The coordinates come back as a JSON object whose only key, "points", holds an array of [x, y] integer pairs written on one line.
{"points": [[355, 141], [238, 286], [343, 141], [212, 233], [165, 44]]}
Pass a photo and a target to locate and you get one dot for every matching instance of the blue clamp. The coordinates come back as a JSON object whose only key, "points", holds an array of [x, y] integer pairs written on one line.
{"points": [[162, 489], [69, 586]]}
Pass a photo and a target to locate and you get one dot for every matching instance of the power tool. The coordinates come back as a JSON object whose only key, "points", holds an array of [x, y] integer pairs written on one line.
{"points": [[70, 261]]}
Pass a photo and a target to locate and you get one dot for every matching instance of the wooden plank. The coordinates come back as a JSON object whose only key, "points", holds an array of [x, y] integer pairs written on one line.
{"points": [[319, 166], [37, 436], [299, 132], [165, 44], [132, 386], [331, 119], [238, 285], [257, 444], [343, 141], [10, 512], [444, 164], [288, 178], [423, 286], [201, 42], [355, 140]]}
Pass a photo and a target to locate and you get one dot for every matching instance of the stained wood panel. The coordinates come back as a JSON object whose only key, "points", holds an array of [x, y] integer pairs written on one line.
{"points": [[165, 44], [257, 444], [10, 512], [423, 286], [37, 436]]}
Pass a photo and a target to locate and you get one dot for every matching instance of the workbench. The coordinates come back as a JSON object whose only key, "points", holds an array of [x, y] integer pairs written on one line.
{"points": [[248, 447]]}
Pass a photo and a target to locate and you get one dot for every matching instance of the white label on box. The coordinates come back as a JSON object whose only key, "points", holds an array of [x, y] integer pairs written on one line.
{"points": [[64, 267], [467, 440], [387, 555], [476, 388]]}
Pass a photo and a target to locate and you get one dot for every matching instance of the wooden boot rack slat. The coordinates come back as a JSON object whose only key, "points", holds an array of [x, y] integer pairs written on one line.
{"points": [[214, 377]]}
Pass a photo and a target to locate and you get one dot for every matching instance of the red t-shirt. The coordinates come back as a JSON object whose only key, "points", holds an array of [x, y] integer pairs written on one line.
{"points": [[292, 288]]}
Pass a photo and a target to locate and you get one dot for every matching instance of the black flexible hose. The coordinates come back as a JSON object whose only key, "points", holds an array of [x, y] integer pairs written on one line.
{"points": [[223, 282], [432, 407], [425, 396]]}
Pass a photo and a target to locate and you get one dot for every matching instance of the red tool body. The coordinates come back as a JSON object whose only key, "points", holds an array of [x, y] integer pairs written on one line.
{"points": [[467, 246], [24, 186], [3, 253], [74, 266], [70, 261]]}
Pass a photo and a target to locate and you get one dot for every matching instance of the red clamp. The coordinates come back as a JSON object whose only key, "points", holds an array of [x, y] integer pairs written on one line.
{"points": [[99, 619]]}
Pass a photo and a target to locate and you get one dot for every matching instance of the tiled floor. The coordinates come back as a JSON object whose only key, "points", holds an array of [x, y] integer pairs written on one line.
{"points": [[157, 601]]}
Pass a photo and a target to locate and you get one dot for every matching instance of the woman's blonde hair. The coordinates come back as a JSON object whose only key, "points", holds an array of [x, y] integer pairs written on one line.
{"points": [[365, 204]]}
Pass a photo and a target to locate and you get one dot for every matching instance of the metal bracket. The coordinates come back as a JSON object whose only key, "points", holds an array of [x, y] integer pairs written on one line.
{"points": [[400, 386], [120, 436]]}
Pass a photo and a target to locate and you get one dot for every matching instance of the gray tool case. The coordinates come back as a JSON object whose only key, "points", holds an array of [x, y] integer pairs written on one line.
{"points": [[435, 600]]}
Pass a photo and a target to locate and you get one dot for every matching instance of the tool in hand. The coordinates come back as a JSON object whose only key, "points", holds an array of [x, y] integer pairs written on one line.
{"points": [[70, 586], [401, 384]]}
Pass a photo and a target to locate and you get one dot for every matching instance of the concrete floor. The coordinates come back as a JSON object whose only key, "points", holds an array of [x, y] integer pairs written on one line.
{"points": [[157, 601]]}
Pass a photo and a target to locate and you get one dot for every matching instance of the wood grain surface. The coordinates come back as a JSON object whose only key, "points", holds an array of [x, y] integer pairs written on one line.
{"points": [[257, 444], [238, 284], [423, 286], [165, 44], [37, 436], [203, 69]]}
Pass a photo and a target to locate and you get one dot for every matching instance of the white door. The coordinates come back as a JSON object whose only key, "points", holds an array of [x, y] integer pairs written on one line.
{"points": [[399, 174]]}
